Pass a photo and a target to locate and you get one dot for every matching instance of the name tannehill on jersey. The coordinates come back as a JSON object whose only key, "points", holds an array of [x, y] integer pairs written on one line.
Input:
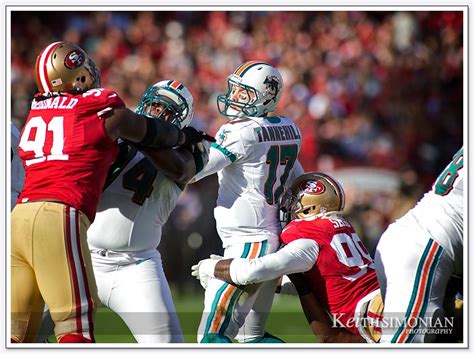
{"points": [[284, 132]]}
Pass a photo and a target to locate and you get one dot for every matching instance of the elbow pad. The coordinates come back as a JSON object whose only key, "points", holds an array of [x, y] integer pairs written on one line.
{"points": [[161, 134]]}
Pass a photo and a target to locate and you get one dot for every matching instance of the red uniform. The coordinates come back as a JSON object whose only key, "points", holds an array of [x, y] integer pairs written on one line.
{"points": [[343, 273], [65, 149], [66, 153]]}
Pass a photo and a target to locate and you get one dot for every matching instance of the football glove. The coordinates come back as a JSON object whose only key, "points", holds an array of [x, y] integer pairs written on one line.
{"points": [[194, 136], [204, 270], [200, 152]]}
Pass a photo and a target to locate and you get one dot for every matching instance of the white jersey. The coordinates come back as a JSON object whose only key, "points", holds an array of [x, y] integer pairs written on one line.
{"points": [[134, 206], [261, 154], [17, 170], [440, 212]]}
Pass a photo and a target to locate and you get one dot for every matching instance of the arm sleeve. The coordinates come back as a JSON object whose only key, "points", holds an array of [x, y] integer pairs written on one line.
{"points": [[298, 256], [217, 161]]}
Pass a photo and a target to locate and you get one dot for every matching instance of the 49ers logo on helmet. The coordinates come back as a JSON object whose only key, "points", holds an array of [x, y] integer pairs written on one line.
{"points": [[313, 187], [74, 59]]}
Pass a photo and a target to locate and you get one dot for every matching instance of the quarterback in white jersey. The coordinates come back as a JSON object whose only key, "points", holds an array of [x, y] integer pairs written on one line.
{"points": [[17, 170], [140, 193], [417, 255], [254, 156]]}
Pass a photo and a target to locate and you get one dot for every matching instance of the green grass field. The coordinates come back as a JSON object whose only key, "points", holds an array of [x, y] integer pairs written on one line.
{"points": [[286, 321]]}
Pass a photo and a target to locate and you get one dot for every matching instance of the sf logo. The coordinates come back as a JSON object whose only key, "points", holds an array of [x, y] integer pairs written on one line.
{"points": [[314, 187], [74, 59]]}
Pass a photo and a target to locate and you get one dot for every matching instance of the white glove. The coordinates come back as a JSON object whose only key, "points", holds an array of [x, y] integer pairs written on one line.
{"points": [[205, 269]]}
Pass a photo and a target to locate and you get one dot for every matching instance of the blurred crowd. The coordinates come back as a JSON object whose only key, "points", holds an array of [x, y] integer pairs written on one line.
{"points": [[371, 89]]}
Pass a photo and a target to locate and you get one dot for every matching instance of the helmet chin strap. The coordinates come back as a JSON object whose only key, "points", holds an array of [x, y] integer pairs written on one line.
{"points": [[234, 113]]}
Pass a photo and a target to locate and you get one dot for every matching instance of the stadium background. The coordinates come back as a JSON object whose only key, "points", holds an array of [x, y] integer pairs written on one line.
{"points": [[378, 96]]}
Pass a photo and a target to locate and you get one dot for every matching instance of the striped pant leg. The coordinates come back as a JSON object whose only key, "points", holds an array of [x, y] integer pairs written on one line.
{"points": [[414, 272], [225, 305], [63, 269], [256, 320]]}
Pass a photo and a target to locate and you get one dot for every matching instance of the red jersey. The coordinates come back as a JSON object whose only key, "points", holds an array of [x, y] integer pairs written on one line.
{"points": [[66, 150], [343, 273]]}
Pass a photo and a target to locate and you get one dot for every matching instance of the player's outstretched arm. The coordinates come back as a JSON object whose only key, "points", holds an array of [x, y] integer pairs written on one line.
{"points": [[126, 124], [217, 161], [177, 164], [298, 256], [145, 131]]}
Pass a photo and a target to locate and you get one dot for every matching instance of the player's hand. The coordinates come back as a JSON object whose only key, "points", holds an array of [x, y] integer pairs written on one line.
{"points": [[204, 270], [200, 153], [286, 287], [194, 136]]}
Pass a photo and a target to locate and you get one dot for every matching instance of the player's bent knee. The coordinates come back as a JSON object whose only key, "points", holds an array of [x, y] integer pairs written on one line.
{"points": [[74, 338], [214, 338]]}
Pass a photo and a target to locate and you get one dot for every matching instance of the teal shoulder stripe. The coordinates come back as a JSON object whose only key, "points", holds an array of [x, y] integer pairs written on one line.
{"points": [[459, 153], [415, 289], [273, 120], [226, 152], [426, 298]]}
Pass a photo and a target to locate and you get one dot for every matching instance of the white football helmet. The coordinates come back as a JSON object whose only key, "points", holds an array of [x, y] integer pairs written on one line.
{"points": [[174, 99], [261, 87]]}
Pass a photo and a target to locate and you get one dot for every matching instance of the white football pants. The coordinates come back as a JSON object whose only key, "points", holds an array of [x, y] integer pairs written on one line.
{"points": [[133, 284], [226, 307], [413, 271]]}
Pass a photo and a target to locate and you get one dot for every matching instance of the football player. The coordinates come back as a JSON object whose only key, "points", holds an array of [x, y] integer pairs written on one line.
{"points": [[417, 255], [340, 279], [140, 193], [67, 145], [254, 156]]}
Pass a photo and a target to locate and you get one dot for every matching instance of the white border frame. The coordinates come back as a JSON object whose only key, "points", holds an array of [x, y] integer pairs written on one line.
{"points": [[179, 5]]}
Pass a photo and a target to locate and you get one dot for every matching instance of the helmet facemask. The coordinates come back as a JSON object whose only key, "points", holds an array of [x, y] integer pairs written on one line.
{"points": [[244, 106], [163, 103], [286, 201]]}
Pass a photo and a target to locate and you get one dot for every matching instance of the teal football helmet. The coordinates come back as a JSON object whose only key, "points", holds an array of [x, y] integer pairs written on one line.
{"points": [[169, 100]]}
